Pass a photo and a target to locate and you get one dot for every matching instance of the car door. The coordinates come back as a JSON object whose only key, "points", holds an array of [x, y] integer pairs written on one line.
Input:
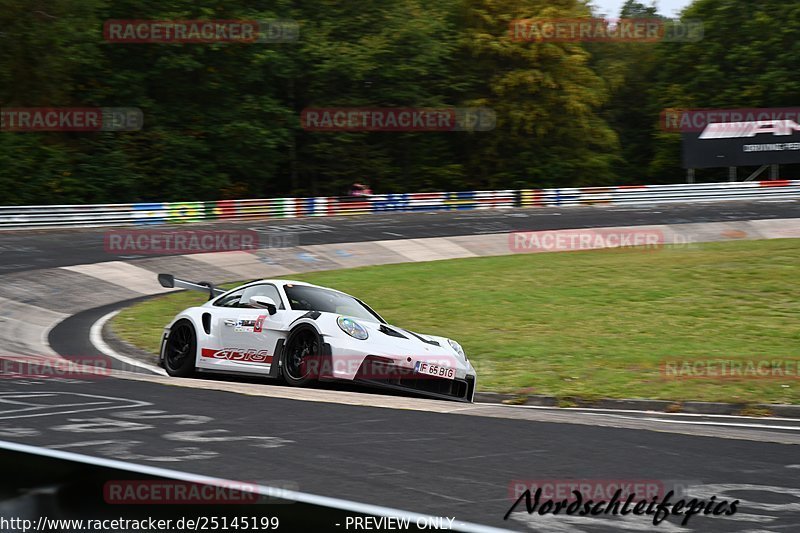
{"points": [[247, 337]]}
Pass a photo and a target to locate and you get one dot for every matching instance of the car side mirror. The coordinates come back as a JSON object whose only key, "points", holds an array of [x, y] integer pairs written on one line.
{"points": [[263, 302]]}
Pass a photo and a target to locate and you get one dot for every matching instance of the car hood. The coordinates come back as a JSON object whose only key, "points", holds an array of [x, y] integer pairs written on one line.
{"points": [[391, 340]]}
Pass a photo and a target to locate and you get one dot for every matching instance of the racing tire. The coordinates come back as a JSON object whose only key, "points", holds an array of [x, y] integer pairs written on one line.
{"points": [[180, 350], [301, 358]]}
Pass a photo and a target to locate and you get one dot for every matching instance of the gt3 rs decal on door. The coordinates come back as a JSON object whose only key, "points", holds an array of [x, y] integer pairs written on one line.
{"points": [[238, 355]]}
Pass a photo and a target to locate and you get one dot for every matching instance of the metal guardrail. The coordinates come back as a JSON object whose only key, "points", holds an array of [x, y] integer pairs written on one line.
{"points": [[99, 215], [660, 194]]}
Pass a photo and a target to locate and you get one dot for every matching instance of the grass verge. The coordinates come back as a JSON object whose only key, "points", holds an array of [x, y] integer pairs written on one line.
{"points": [[596, 324]]}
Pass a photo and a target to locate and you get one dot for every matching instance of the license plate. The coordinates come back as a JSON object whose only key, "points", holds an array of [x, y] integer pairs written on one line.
{"points": [[434, 370]]}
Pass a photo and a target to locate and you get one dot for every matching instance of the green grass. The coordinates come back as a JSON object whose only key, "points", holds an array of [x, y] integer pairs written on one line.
{"points": [[583, 324]]}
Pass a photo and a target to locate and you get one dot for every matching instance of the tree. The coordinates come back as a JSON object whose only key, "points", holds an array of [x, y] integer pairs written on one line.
{"points": [[546, 97], [749, 57]]}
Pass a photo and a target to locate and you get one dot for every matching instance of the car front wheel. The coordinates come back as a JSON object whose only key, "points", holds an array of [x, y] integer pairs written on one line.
{"points": [[179, 353], [302, 357]]}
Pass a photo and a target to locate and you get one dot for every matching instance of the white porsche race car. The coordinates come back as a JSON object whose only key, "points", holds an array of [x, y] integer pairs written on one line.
{"points": [[304, 333]]}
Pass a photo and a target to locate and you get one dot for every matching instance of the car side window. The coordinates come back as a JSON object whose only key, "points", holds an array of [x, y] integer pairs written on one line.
{"points": [[260, 290], [231, 300]]}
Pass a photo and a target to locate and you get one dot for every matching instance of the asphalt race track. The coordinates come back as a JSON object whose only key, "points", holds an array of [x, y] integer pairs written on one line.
{"points": [[437, 458], [434, 463], [29, 249]]}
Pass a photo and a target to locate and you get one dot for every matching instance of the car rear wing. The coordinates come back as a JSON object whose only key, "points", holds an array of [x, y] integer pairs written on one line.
{"points": [[171, 282]]}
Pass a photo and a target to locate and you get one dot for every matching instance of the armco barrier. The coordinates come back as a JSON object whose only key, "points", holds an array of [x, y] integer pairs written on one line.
{"points": [[44, 216]]}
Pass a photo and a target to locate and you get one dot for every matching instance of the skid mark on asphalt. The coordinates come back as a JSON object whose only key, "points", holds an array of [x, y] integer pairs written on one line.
{"points": [[361, 442], [361, 466], [163, 415], [205, 436], [477, 482], [438, 495], [316, 429], [514, 453]]}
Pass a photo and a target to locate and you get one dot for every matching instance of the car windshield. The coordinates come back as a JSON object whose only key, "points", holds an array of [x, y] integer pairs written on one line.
{"points": [[305, 298]]}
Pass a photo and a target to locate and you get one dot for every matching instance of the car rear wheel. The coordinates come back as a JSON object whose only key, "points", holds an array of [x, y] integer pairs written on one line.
{"points": [[302, 357], [179, 353]]}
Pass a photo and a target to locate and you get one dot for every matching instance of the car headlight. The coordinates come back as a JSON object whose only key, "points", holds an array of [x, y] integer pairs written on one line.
{"points": [[458, 349], [352, 328]]}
